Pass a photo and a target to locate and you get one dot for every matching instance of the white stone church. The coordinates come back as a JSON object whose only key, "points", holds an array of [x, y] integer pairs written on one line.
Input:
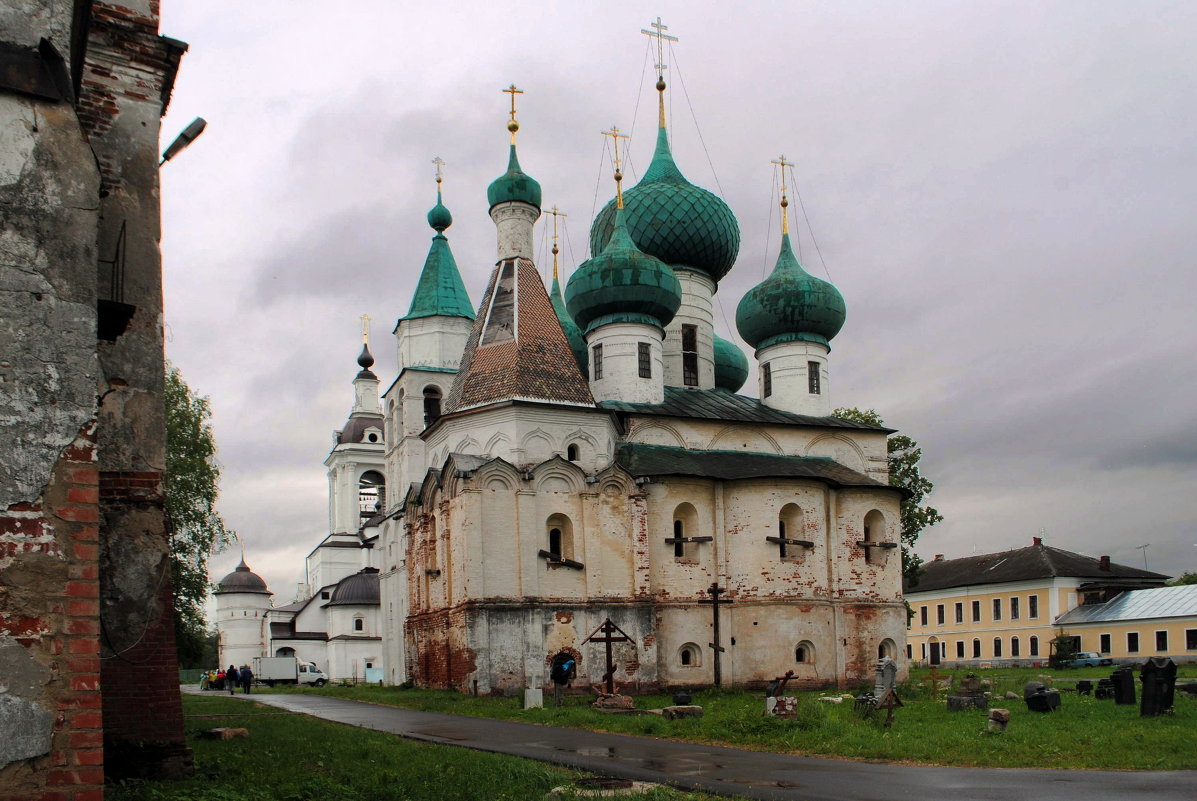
{"points": [[547, 460]]}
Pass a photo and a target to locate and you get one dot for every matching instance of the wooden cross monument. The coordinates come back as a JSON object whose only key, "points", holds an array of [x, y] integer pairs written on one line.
{"points": [[715, 601], [608, 630]]}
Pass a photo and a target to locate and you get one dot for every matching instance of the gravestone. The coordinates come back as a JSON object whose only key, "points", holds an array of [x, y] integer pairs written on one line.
{"points": [[1158, 675], [885, 676], [999, 719], [1124, 685], [533, 698], [1040, 697], [1105, 689], [782, 706], [1084, 687], [681, 711], [969, 695]]}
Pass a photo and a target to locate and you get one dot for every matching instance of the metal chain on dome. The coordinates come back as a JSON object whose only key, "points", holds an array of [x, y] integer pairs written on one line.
{"points": [[693, 116], [815, 241]]}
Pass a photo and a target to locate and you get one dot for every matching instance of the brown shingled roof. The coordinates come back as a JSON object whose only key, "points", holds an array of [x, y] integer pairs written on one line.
{"points": [[536, 364]]}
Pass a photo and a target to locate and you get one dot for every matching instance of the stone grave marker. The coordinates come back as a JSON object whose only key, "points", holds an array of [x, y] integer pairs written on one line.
{"points": [[1158, 675], [969, 695], [1040, 697], [1124, 685]]}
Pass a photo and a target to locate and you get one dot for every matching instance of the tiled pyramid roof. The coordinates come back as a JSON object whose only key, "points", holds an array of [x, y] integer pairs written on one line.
{"points": [[528, 357]]}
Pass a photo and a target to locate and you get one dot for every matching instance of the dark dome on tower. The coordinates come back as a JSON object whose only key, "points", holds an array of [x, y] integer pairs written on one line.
{"points": [[242, 580], [360, 588]]}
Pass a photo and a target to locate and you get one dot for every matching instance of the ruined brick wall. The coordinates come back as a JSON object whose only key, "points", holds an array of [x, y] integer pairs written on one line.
{"points": [[126, 82]]}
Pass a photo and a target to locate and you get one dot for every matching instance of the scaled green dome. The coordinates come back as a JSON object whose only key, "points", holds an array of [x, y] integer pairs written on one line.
{"points": [[668, 217], [622, 284], [731, 365], [513, 185], [573, 334], [791, 304]]}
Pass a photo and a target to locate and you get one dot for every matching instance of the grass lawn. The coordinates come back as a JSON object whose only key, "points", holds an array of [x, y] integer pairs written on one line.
{"points": [[296, 758], [1082, 733]]}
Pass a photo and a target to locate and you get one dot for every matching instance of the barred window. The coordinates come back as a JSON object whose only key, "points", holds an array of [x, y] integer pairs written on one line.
{"points": [[596, 362], [645, 357], [690, 355], [812, 377], [767, 377]]}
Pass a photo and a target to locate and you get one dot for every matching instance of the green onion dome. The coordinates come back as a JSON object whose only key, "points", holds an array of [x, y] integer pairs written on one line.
{"points": [[668, 217], [573, 334], [622, 284], [438, 216], [791, 304], [731, 365], [513, 185]]}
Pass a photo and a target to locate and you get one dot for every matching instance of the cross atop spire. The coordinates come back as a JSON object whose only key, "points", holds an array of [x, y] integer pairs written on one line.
{"points": [[556, 250], [661, 37], [615, 137], [513, 125], [365, 318], [440, 167], [781, 162]]}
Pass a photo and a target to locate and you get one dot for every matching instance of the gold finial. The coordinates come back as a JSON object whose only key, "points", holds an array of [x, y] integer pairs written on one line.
{"points": [[513, 125], [556, 250], [440, 165], [365, 329], [781, 162], [661, 37], [615, 137]]}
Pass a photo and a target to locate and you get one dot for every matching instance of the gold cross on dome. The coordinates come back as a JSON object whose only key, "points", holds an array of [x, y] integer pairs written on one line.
{"points": [[512, 124], [556, 250], [615, 137], [781, 162], [365, 328], [440, 166], [661, 37]]}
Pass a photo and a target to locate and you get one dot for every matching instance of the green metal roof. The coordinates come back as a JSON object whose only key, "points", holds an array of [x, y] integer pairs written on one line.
{"points": [[577, 343], [790, 304], [622, 284], [731, 365], [668, 217], [440, 291], [719, 404], [662, 460], [513, 185]]}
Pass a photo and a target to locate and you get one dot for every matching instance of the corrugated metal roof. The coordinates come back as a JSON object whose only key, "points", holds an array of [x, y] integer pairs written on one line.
{"points": [[661, 460], [719, 404], [1138, 605], [1037, 561]]}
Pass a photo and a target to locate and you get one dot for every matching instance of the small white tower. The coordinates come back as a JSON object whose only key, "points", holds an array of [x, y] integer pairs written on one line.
{"points": [[356, 462], [242, 630]]}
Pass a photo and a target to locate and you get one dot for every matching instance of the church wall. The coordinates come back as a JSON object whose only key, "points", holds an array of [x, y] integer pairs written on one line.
{"points": [[755, 567], [527, 435], [853, 576], [688, 576], [432, 342], [698, 291]]}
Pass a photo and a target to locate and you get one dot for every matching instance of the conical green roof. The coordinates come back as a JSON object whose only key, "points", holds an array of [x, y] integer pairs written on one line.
{"points": [[791, 304], [440, 291], [731, 365], [622, 284], [577, 343], [668, 217], [513, 185]]}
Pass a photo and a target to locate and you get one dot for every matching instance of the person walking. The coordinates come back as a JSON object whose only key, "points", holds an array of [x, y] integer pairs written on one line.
{"points": [[247, 678], [230, 679]]}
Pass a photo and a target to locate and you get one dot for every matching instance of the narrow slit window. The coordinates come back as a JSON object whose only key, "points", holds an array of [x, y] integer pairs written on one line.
{"points": [[812, 377], [596, 362], [690, 355], [679, 547], [767, 379], [645, 355]]}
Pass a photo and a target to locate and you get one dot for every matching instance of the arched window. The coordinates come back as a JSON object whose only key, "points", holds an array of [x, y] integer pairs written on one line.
{"points": [[689, 655], [560, 534], [804, 652], [371, 494], [976, 649], [886, 649], [1014, 649], [997, 646], [874, 532], [358, 624], [285, 652], [685, 525], [571, 453], [433, 559], [790, 526], [432, 405], [1034, 646]]}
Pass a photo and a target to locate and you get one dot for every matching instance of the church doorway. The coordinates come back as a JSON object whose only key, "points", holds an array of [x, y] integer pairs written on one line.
{"points": [[933, 650]]}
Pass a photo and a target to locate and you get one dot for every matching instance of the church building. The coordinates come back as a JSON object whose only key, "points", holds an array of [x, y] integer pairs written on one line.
{"points": [[549, 460]]}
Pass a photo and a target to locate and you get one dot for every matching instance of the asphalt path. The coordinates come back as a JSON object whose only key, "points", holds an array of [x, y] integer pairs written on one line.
{"points": [[732, 771]]}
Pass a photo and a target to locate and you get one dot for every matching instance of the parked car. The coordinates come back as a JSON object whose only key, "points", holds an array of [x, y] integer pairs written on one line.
{"points": [[1088, 659]]}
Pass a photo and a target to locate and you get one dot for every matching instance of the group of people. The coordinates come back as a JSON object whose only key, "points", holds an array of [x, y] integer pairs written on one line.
{"points": [[228, 679]]}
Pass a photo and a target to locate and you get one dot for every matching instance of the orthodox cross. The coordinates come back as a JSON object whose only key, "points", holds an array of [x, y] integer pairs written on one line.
{"points": [[556, 250], [715, 601], [512, 125], [608, 630], [365, 328], [615, 137], [781, 162], [661, 37], [933, 679], [440, 166]]}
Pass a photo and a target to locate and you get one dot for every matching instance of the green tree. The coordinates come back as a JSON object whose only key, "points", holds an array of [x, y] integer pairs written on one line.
{"points": [[904, 457], [1184, 578], [196, 528]]}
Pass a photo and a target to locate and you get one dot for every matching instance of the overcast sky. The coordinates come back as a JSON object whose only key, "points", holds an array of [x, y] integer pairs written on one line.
{"points": [[1005, 194]]}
